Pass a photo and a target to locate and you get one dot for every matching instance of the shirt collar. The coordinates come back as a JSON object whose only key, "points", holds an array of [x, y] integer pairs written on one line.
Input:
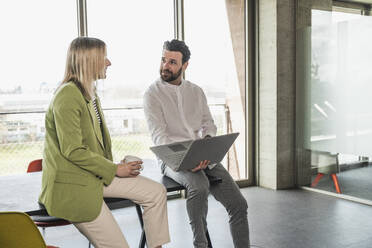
{"points": [[172, 86]]}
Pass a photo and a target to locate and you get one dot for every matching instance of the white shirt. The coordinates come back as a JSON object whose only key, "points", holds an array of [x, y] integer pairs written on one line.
{"points": [[177, 112]]}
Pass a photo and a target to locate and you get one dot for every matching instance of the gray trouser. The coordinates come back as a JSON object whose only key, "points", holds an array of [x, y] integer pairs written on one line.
{"points": [[227, 192]]}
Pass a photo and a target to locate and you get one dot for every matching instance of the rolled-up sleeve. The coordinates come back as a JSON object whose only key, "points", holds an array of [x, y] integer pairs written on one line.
{"points": [[208, 127]]}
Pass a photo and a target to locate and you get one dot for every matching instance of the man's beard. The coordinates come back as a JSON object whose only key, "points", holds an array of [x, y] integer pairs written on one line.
{"points": [[170, 77]]}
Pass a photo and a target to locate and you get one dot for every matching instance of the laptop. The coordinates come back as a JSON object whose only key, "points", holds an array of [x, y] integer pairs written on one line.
{"points": [[187, 155]]}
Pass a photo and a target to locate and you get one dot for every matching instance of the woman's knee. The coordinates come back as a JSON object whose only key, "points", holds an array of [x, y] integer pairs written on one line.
{"points": [[159, 191]]}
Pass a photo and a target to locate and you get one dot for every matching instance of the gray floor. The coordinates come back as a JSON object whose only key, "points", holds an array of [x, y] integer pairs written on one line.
{"points": [[285, 219]]}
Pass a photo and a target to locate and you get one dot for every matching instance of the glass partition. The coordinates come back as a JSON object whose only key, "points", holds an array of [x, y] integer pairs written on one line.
{"points": [[334, 117]]}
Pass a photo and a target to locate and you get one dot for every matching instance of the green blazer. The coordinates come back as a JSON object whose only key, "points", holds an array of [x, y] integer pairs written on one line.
{"points": [[77, 158]]}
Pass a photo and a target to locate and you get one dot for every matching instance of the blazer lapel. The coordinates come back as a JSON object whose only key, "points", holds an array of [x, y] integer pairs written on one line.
{"points": [[97, 129], [105, 131]]}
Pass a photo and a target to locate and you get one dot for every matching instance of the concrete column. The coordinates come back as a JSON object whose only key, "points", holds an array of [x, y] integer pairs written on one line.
{"points": [[303, 88], [305, 158], [276, 93]]}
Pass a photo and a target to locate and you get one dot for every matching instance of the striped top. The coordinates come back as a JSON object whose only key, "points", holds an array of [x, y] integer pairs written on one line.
{"points": [[97, 113]]}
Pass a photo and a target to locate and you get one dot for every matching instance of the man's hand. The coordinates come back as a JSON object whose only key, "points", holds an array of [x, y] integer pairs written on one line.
{"points": [[130, 169], [201, 166]]}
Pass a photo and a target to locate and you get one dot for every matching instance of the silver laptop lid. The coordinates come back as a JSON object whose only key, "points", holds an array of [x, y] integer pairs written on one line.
{"points": [[188, 154], [213, 149]]}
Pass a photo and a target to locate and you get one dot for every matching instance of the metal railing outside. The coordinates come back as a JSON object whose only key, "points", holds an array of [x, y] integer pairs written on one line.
{"points": [[22, 135]]}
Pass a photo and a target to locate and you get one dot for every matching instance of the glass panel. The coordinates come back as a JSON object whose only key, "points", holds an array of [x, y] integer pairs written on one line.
{"points": [[32, 64], [134, 32], [336, 123], [217, 66]]}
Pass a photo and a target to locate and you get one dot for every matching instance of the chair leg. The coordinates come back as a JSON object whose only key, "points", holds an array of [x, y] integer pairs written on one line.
{"points": [[209, 239], [316, 180], [142, 240], [335, 181], [143, 236]]}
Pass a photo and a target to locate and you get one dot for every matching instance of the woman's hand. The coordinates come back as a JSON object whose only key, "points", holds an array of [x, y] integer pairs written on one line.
{"points": [[130, 169]]}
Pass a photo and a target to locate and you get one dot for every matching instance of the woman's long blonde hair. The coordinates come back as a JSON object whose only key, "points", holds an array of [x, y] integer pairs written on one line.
{"points": [[85, 64]]}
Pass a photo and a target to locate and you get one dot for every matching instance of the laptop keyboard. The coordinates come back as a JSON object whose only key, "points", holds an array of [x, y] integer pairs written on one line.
{"points": [[174, 158]]}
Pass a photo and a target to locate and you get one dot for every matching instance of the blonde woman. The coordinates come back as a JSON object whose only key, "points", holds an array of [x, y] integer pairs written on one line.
{"points": [[78, 170]]}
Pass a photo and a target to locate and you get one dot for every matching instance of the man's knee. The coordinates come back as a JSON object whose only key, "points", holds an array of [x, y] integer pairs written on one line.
{"points": [[243, 205], [238, 205], [198, 190]]}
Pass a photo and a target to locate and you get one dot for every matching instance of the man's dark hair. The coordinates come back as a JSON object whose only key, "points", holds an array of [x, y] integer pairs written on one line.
{"points": [[178, 46]]}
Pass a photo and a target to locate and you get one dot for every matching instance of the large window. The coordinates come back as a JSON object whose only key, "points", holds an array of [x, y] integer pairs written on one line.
{"points": [[34, 54], [134, 32], [33, 51], [217, 65]]}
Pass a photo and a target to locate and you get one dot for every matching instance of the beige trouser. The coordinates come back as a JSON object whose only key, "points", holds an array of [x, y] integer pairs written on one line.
{"points": [[104, 232]]}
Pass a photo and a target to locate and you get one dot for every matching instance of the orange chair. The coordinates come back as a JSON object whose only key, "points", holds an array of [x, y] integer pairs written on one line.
{"points": [[35, 166], [328, 168], [41, 220], [334, 179], [44, 221], [18, 230]]}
